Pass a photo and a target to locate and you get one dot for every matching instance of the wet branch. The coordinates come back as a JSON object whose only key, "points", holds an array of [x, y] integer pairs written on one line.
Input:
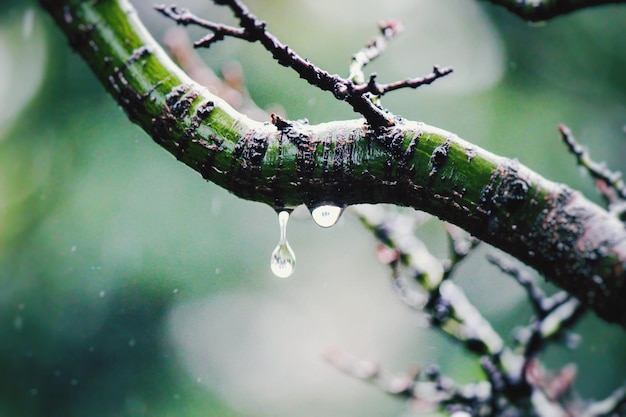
{"points": [[573, 242], [540, 10]]}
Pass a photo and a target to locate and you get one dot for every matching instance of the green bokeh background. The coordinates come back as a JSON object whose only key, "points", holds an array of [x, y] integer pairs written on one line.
{"points": [[131, 287]]}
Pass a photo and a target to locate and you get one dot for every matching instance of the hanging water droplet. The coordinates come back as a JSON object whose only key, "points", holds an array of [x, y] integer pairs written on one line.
{"points": [[283, 260], [326, 215]]}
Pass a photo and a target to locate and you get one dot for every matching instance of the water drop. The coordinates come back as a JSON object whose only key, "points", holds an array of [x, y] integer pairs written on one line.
{"points": [[28, 23], [18, 322], [283, 261], [326, 215]]}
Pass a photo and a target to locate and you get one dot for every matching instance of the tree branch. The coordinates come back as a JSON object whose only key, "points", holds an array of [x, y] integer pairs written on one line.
{"points": [[358, 94], [540, 10], [573, 242]]}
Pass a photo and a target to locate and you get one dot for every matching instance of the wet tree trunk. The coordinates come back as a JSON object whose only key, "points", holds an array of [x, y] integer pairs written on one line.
{"points": [[573, 242]]}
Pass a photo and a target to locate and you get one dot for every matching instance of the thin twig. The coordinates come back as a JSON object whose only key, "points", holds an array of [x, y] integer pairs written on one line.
{"points": [[555, 314], [357, 94], [379, 90], [612, 186], [388, 31], [185, 18]]}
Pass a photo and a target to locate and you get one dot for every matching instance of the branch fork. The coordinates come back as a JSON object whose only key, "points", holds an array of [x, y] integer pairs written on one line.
{"points": [[362, 96]]}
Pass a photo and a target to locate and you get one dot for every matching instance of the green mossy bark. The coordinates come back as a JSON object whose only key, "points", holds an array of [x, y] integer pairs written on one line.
{"points": [[575, 243]]}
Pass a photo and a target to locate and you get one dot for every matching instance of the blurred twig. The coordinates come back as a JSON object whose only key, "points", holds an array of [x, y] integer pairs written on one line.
{"points": [[516, 384], [609, 183], [230, 86]]}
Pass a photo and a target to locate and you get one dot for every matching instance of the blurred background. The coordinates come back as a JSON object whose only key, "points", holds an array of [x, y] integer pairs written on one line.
{"points": [[131, 287]]}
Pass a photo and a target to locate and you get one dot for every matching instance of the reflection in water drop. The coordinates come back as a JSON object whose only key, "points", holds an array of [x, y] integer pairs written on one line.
{"points": [[326, 215], [283, 261]]}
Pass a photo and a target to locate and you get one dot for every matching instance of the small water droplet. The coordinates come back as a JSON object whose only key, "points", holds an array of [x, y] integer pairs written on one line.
{"points": [[18, 322], [283, 260], [326, 215], [28, 23]]}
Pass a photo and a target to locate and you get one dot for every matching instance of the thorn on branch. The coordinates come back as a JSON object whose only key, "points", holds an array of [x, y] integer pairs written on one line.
{"points": [[279, 122]]}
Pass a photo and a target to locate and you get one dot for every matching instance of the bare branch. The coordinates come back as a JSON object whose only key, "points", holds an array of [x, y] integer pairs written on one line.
{"points": [[381, 89], [389, 30], [219, 32], [554, 314], [351, 90], [610, 183]]}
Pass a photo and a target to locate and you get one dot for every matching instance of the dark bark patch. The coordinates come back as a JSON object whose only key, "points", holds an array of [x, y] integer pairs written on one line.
{"points": [[505, 193], [506, 188], [439, 157], [249, 152], [203, 111], [181, 107]]}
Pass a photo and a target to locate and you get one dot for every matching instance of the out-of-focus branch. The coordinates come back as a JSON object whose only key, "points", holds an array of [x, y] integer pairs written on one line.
{"points": [[230, 86], [540, 10], [609, 183], [516, 383]]}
